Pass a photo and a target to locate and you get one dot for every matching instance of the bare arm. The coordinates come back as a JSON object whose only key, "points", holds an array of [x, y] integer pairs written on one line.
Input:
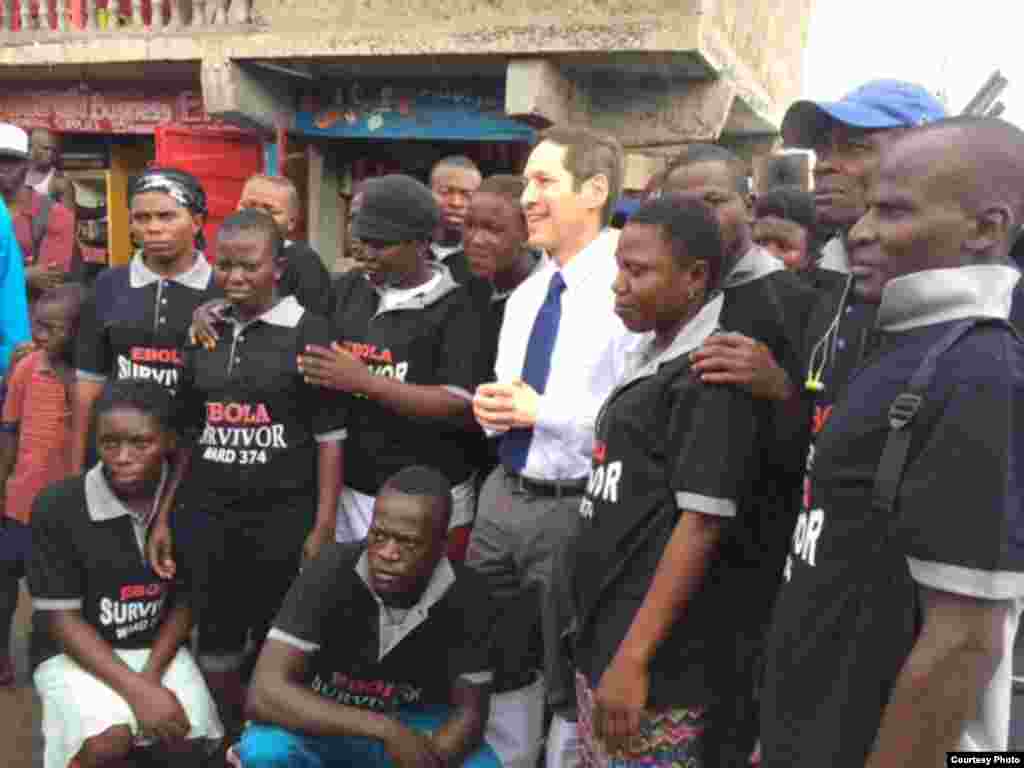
{"points": [[622, 692], [941, 682], [419, 401], [732, 358], [338, 369], [173, 634], [156, 708], [160, 543], [84, 394], [279, 694], [329, 468], [463, 732]]}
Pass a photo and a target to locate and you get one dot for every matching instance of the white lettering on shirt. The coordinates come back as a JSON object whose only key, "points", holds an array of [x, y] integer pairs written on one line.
{"points": [[245, 439], [805, 536], [165, 377], [604, 482], [396, 371]]}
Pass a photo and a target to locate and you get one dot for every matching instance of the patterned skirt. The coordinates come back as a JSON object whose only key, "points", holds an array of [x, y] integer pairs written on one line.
{"points": [[668, 738]]}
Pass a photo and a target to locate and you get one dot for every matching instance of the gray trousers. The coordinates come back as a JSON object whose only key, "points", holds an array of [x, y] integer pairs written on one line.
{"points": [[519, 542]]}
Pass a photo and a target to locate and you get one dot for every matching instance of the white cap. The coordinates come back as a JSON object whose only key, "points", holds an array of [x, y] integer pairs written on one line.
{"points": [[13, 141]]}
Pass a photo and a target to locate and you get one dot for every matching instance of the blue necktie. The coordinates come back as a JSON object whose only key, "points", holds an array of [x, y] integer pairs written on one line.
{"points": [[516, 442]]}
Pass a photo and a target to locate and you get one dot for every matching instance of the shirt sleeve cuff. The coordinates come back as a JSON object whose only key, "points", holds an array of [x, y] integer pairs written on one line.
{"points": [[98, 378], [986, 585], [57, 604], [706, 505], [335, 436], [478, 678], [295, 642], [459, 392]]}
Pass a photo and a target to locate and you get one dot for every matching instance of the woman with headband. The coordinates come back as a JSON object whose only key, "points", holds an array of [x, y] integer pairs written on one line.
{"points": [[135, 324]]}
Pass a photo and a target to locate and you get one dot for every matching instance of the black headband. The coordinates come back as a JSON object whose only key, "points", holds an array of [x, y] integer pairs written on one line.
{"points": [[182, 187]]}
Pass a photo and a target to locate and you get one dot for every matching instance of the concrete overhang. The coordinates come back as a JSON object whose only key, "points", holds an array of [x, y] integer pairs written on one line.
{"points": [[676, 67]]}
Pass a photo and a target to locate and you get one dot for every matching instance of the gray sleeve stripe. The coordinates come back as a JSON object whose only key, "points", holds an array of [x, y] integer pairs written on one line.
{"points": [[706, 505], [66, 604], [81, 375], [303, 645], [332, 437], [477, 678], [972, 582]]}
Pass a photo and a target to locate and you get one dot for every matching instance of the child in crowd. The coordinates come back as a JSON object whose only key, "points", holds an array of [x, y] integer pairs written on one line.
{"points": [[33, 439]]}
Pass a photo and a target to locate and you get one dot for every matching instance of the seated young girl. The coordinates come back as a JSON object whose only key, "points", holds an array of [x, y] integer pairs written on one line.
{"points": [[108, 643]]}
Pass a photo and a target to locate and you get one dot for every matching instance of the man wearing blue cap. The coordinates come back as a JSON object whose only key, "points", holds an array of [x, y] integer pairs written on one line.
{"points": [[847, 137], [892, 639]]}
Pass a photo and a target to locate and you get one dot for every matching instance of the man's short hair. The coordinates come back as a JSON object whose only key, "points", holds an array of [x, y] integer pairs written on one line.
{"points": [[455, 161], [589, 154], [420, 480], [504, 185], [281, 182], [691, 229], [695, 154], [254, 220], [995, 155]]}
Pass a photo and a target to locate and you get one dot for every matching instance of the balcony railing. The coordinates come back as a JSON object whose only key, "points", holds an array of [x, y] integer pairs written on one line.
{"points": [[35, 19]]}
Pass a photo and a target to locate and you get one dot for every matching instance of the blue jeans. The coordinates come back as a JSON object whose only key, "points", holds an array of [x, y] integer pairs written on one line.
{"points": [[267, 746]]}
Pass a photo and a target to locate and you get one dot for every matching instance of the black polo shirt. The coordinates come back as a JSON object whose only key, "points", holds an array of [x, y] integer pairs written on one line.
{"points": [[664, 443], [87, 555], [365, 658], [848, 613], [257, 422], [435, 338], [766, 302], [306, 278], [134, 324]]}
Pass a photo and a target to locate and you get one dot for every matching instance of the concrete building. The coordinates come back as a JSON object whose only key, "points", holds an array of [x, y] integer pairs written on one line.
{"points": [[340, 89]]}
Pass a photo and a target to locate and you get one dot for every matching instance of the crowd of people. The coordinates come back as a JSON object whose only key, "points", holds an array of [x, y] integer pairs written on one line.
{"points": [[733, 485]]}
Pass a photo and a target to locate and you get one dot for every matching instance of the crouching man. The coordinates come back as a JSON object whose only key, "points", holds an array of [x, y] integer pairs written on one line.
{"points": [[379, 656]]}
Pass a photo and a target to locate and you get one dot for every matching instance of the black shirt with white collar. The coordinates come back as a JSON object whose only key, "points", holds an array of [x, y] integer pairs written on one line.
{"points": [[849, 611], [134, 324], [665, 443], [436, 337], [87, 555], [366, 655], [257, 422], [766, 302]]}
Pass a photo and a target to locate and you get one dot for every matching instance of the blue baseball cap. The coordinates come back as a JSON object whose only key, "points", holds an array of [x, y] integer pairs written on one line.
{"points": [[877, 104]]}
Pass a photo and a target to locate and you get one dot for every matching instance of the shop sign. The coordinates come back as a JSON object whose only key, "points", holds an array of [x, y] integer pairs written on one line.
{"points": [[127, 111], [467, 111]]}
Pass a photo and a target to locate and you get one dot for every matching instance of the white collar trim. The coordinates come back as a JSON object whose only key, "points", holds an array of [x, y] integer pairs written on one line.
{"points": [[642, 360], [196, 277], [755, 264], [941, 295], [286, 313], [103, 504]]}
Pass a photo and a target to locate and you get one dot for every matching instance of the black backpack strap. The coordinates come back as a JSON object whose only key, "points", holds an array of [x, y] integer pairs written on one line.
{"points": [[904, 411], [40, 222]]}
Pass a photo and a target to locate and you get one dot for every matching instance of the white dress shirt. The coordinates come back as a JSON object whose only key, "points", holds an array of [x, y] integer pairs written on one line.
{"points": [[586, 362]]}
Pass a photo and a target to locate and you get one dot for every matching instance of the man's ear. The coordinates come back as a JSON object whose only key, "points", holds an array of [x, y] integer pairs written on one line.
{"points": [[595, 191], [991, 227]]}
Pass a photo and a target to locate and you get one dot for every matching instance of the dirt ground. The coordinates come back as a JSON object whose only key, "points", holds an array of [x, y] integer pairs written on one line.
{"points": [[20, 742]]}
